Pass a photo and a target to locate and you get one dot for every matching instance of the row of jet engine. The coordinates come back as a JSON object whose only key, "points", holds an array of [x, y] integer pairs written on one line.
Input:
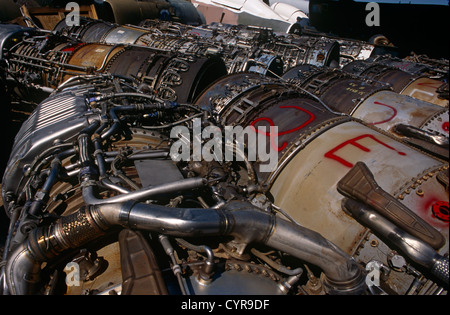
{"points": [[361, 176]]}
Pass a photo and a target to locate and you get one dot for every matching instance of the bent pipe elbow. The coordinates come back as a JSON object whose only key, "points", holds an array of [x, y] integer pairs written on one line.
{"points": [[249, 224], [342, 275], [22, 271]]}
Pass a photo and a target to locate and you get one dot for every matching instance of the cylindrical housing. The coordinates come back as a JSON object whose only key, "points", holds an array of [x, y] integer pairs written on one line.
{"points": [[306, 187], [425, 89], [385, 109], [373, 103], [123, 35], [93, 56], [418, 86], [316, 148]]}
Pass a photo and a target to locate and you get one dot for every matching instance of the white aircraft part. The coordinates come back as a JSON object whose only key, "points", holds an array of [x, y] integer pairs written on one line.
{"points": [[288, 12]]}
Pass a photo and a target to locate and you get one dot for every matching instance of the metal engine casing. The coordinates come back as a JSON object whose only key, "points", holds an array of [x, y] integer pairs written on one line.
{"points": [[92, 180], [57, 119]]}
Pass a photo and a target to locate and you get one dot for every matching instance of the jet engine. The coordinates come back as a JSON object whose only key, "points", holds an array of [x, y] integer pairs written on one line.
{"points": [[155, 162], [95, 189], [42, 62], [418, 122], [406, 78]]}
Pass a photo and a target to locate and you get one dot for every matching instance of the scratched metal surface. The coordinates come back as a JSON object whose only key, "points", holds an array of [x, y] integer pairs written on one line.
{"points": [[386, 109], [316, 204], [425, 89]]}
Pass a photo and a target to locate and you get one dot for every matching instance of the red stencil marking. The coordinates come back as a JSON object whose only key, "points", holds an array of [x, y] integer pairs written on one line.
{"points": [[271, 123], [332, 153]]}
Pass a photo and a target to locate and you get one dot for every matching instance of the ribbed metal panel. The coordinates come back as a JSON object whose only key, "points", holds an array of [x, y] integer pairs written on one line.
{"points": [[59, 118]]}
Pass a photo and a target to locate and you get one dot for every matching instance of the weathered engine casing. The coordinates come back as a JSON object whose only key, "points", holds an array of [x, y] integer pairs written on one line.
{"points": [[316, 149], [418, 86], [174, 77], [123, 35], [385, 109], [323, 162], [425, 89], [92, 56], [375, 104]]}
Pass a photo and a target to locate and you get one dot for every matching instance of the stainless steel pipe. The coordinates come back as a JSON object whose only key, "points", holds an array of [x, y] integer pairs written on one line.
{"points": [[241, 220], [417, 250]]}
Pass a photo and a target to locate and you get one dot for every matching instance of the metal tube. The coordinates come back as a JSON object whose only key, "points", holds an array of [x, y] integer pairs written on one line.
{"points": [[38, 202], [164, 240], [209, 265], [20, 266], [342, 275], [113, 111], [248, 224], [417, 250], [144, 193], [83, 140]]}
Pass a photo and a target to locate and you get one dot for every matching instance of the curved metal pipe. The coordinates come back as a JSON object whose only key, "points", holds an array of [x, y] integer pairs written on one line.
{"points": [[342, 274], [22, 271], [88, 174], [83, 142], [241, 220], [209, 264], [115, 110], [43, 195], [143, 193], [417, 250]]}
